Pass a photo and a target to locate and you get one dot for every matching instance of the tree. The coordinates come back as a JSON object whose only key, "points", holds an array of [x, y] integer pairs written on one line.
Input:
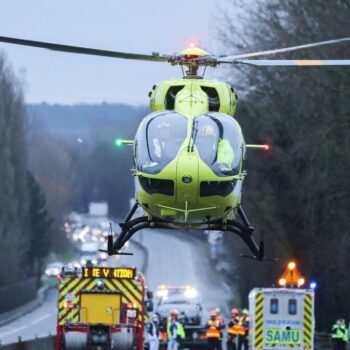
{"points": [[40, 226], [300, 192], [14, 234]]}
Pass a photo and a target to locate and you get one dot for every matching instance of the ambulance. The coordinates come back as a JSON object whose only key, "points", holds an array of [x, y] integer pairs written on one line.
{"points": [[282, 318]]}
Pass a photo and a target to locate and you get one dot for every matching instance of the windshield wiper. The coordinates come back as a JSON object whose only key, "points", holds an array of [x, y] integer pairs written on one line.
{"points": [[193, 136]]}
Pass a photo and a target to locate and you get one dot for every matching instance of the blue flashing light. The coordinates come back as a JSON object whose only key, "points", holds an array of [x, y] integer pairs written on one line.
{"points": [[100, 284], [313, 285]]}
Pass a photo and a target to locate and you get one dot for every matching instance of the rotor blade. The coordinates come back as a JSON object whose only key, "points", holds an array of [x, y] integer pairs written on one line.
{"points": [[310, 63], [86, 50], [229, 59]]}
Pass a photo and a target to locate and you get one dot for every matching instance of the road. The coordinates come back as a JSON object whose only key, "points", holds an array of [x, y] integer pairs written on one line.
{"points": [[180, 259], [174, 258]]}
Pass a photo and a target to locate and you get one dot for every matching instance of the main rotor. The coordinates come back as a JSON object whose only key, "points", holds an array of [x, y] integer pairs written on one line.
{"points": [[193, 57]]}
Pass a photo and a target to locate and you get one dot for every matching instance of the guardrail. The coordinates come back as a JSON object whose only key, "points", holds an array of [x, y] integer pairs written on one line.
{"points": [[47, 343], [323, 341]]}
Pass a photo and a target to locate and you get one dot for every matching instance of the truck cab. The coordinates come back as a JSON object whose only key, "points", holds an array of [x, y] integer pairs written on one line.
{"points": [[101, 308]]}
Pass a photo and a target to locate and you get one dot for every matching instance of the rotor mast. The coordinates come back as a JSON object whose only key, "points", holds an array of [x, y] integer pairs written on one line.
{"points": [[192, 58]]}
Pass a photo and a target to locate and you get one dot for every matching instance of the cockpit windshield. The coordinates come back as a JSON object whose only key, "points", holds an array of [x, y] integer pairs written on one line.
{"points": [[220, 143], [158, 140]]}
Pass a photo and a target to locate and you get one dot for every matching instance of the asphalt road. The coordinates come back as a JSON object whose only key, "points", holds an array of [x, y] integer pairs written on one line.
{"points": [[181, 259], [174, 258]]}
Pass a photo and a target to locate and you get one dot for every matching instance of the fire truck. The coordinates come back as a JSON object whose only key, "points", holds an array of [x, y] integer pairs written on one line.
{"points": [[101, 308], [282, 318]]}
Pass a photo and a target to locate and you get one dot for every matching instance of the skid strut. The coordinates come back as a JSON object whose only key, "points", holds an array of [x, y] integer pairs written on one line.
{"points": [[130, 226]]}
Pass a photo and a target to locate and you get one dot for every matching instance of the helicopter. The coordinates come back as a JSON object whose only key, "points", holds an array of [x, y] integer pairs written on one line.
{"points": [[189, 152]]}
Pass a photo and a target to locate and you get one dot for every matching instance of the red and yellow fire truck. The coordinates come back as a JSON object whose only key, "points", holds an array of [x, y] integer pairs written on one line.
{"points": [[101, 308]]}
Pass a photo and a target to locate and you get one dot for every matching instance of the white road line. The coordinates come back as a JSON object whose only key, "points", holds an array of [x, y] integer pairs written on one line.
{"points": [[40, 319], [16, 330]]}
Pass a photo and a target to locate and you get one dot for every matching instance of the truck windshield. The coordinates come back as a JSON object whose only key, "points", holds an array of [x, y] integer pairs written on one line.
{"points": [[219, 141], [158, 140]]}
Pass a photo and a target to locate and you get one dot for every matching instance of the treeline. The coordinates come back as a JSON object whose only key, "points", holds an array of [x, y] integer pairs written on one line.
{"points": [[300, 191], [73, 152], [55, 159], [24, 221]]}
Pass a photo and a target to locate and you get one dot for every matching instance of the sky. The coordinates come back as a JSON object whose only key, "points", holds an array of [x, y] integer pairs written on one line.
{"points": [[132, 26]]}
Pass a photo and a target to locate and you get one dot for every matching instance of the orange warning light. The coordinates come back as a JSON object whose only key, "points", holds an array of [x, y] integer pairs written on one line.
{"points": [[282, 282], [291, 276], [291, 265]]}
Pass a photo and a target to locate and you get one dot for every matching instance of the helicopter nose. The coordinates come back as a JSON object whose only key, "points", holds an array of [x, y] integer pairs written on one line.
{"points": [[187, 180]]}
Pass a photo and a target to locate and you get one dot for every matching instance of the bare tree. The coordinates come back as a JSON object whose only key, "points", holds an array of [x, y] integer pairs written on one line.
{"points": [[300, 192]]}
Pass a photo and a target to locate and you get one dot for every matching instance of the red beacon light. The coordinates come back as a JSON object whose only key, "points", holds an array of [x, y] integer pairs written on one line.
{"points": [[267, 147], [191, 43]]}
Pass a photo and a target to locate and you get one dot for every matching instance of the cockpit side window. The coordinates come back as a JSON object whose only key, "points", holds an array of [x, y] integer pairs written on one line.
{"points": [[219, 142], [158, 140]]}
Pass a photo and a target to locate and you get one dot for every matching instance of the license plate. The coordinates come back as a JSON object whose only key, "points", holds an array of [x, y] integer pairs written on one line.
{"points": [[131, 313]]}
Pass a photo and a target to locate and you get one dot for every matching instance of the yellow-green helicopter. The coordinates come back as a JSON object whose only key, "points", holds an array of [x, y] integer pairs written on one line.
{"points": [[189, 152]]}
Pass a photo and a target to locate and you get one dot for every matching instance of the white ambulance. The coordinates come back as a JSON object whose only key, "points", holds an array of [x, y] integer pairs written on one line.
{"points": [[281, 318]]}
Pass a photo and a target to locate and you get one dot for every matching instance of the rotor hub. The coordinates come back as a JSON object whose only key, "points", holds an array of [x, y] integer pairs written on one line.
{"points": [[192, 59]]}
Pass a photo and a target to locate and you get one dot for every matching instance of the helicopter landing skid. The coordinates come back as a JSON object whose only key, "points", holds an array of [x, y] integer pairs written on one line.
{"points": [[130, 226]]}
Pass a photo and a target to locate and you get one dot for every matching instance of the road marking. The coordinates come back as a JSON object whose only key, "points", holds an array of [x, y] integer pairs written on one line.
{"points": [[16, 330], [40, 319]]}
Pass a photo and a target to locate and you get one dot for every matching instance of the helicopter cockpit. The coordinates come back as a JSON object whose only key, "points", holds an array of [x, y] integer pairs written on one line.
{"points": [[216, 137], [219, 142], [158, 140]]}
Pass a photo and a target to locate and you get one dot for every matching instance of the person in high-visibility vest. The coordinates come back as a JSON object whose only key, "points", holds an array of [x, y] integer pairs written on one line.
{"points": [[346, 336], [339, 335], [221, 320], [243, 337], [175, 331], [214, 332], [225, 155], [234, 330]]}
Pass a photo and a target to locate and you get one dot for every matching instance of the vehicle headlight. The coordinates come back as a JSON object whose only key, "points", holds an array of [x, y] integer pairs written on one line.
{"points": [[194, 335], [83, 261], [104, 256], [162, 293], [94, 261], [191, 293]]}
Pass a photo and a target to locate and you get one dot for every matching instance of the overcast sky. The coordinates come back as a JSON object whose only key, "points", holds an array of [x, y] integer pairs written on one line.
{"points": [[130, 25]]}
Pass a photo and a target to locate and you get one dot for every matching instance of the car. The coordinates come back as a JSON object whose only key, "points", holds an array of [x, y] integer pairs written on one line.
{"points": [[53, 269], [188, 303], [166, 290], [85, 259], [76, 264], [185, 300], [90, 247]]}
